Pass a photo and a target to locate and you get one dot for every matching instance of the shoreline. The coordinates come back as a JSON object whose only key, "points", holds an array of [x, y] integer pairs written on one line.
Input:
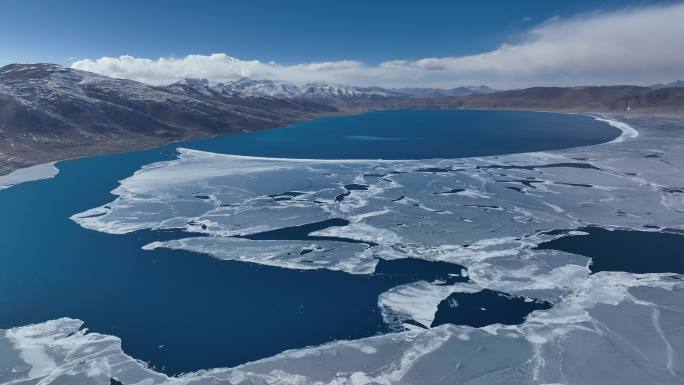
{"points": [[628, 132], [46, 170], [6, 181], [28, 174]]}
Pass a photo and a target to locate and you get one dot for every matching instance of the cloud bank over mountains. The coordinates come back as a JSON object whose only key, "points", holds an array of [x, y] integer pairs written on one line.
{"points": [[633, 46]]}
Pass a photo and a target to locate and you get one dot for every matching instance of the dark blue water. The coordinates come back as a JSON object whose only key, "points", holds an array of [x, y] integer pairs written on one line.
{"points": [[419, 134], [486, 307], [182, 311], [625, 250], [301, 233]]}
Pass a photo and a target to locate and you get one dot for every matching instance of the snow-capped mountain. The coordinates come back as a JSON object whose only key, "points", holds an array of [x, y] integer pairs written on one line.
{"points": [[246, 87]]}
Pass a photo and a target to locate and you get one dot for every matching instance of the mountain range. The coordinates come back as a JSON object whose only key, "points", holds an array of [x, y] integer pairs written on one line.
{"points": [[49, 112], [326, 92], [318, 91]]}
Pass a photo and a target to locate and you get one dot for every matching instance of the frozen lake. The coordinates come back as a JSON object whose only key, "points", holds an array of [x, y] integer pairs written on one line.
{"points": [[202, 260]]}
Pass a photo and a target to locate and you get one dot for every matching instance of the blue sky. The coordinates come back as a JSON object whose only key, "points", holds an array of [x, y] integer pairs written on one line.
{"points": [[287, 32], [284, 31]]}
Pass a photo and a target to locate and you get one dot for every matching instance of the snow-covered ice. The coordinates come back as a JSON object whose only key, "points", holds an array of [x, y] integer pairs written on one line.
{"points": [[28, 174]]}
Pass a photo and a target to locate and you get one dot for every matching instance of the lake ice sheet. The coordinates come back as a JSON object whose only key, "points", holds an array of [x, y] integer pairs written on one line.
{"points": [[486, 214], [28, 174]]}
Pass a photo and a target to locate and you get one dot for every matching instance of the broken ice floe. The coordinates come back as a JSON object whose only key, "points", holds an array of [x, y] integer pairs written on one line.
{"points": [[415, 302], [630, 335], [495, 212]]}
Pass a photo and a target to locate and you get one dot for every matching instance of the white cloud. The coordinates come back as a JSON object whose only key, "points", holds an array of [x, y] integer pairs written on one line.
{"points": [[634, 46]]}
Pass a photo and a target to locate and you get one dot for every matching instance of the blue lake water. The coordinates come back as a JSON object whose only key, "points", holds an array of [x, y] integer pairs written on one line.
{"points": [[182, 311], [625, 250], [418, 134], [484, 308]]}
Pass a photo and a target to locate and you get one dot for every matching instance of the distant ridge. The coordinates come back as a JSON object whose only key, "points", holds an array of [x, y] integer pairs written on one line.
{"points": [[677, 83], [439, 92], [327, 92], [611, 99]]}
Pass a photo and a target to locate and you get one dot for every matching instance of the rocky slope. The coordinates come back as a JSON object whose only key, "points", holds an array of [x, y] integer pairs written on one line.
{"points": [[49, 112]]}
